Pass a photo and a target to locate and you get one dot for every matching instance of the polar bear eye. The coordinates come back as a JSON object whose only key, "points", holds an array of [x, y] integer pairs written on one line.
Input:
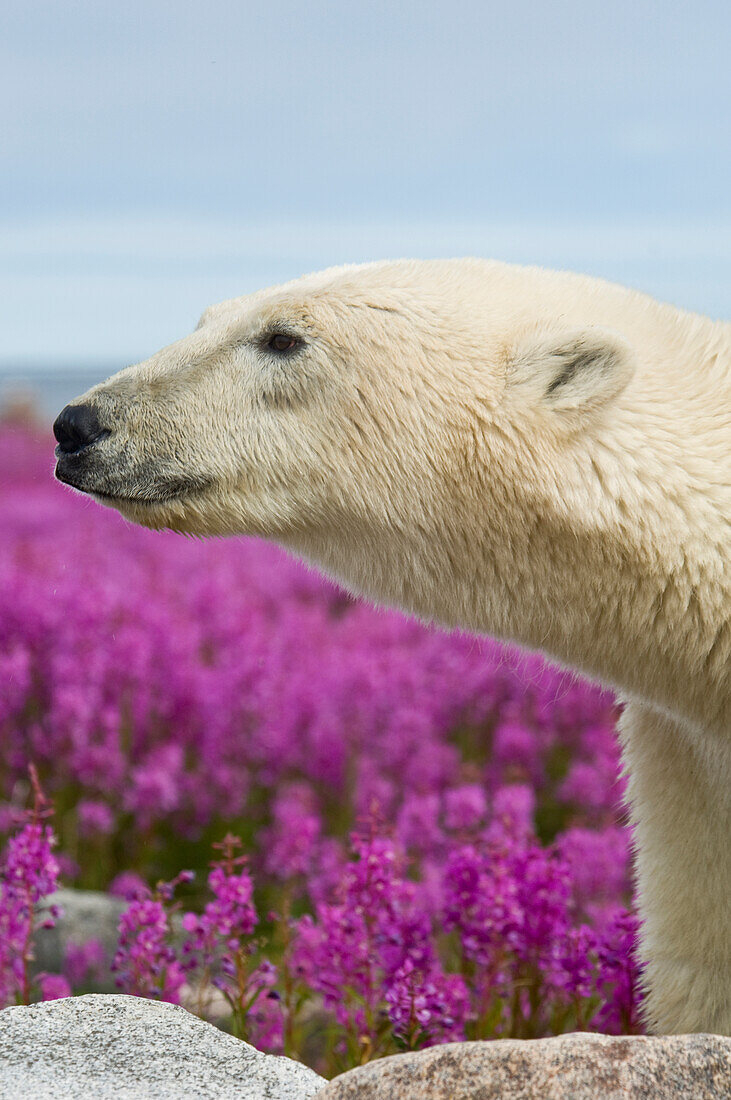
{"points": [[282, 341]]}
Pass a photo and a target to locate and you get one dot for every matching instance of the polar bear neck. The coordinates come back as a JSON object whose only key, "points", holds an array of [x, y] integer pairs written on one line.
{"points": [[617, 564]]}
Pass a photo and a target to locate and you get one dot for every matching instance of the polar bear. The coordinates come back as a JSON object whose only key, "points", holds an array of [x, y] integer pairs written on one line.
{"points": [[535, 455]]}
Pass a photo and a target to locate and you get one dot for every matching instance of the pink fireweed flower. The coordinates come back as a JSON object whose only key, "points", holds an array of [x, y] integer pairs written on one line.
{"points": [[94, 817], [128, 885], [145, 963], [465, 807], [30, 870], [510, 902], [599, 863], [53, 986], [516, 752], [620, 976], [292, 842], [418, 827], [230, 917], [571, 977], [427, 1007], [352, 951], [513, 807], [481, 901], [85, 962]]}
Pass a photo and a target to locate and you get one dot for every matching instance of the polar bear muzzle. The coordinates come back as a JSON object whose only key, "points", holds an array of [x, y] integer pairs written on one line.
{"points": [[90, 458]]}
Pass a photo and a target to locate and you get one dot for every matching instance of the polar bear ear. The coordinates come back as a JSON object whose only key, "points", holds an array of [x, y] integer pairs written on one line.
{"points": [[570, 370]]}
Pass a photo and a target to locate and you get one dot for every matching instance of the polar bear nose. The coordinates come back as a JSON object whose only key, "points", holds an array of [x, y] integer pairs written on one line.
{"points": [[77, 426]]}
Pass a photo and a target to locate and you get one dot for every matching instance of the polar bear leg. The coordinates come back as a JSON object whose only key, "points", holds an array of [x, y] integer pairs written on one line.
{"points": [[680, 798]]}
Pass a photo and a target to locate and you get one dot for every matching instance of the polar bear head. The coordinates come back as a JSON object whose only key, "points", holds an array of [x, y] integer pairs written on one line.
{"points": [[355, 404]]}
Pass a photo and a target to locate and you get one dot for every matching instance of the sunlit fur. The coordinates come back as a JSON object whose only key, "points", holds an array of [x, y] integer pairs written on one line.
{"points": [[535, 455]]}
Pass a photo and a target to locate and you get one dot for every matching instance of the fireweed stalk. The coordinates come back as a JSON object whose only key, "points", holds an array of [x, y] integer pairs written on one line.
{"points": [[220, 946], [146, 964], [28, 874]]}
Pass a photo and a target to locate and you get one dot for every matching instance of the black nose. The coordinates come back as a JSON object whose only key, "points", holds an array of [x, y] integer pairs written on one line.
{"points": [[77, 426]]}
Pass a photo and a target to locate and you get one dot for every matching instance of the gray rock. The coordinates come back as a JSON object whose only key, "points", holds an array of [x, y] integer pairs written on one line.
{"points": [[125, 1048], [580, 1066], [86, 915]]}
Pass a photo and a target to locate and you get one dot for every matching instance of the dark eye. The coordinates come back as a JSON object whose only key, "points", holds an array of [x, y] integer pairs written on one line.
{"points": [[282, 341]]}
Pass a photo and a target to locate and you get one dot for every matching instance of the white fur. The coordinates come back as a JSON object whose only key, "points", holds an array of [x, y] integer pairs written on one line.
{"points": [[535, 455]]}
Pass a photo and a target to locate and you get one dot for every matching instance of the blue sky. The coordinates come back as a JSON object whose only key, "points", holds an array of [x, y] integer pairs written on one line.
{"points": [[158, 156]]}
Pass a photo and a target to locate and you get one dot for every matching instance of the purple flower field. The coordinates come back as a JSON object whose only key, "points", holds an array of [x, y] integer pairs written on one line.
{"points": [[359, 834]]}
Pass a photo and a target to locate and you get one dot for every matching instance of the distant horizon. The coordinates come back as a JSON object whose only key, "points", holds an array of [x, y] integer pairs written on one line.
{"points": [[45, 391]]}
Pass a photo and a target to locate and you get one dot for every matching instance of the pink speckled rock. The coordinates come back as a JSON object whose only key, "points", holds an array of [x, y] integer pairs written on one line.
{"points": [[570, 1067]]}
